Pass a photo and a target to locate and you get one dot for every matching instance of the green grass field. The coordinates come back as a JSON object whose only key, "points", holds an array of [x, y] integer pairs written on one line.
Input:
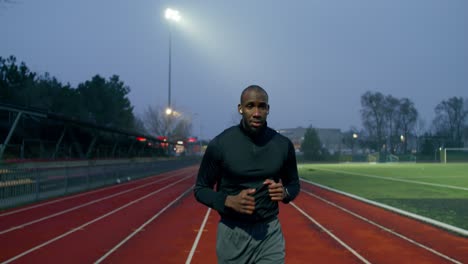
{"points": [[437, 191]]}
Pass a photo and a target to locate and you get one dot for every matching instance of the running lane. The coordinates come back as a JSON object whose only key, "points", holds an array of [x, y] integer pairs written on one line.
{"points": [[305, 242], [380, 235], [162, 223], [84, 235], [317, 230], [167, 239], [33, 213]]}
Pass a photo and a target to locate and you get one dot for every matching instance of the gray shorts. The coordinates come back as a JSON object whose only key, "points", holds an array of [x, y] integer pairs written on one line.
{"points": [[250, 243]]}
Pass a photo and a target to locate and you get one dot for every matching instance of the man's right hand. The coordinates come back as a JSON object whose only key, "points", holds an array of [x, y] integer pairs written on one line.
{"points": [[243, 202]]}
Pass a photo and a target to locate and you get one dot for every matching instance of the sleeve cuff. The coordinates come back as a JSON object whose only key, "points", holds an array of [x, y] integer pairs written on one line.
{"points": [[219, 203]]}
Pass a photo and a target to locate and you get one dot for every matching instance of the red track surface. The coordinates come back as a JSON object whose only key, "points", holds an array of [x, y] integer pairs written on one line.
{"points": [[157, 220]]}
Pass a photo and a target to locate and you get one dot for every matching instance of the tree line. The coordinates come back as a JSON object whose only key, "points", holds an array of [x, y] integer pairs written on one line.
{"points": [[390, 123], [99, 100]]}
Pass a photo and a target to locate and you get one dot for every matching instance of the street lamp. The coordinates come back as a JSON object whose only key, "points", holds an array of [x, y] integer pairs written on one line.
{"points": [[173, 16]]}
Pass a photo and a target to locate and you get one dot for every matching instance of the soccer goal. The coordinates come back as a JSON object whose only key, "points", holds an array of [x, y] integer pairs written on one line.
{"points": [[392, 158], [454, 155], [373, 157]]}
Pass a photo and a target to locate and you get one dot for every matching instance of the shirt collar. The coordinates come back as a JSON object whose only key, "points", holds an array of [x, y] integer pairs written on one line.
{"points": [[254, 136]]}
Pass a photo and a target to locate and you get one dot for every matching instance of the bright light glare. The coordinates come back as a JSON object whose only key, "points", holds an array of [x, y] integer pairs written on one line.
{"points": [[172, 14], [168, 111], [176, 114]]}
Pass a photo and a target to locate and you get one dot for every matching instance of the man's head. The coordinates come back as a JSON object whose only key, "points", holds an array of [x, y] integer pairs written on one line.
{"points": [[254, 108]]}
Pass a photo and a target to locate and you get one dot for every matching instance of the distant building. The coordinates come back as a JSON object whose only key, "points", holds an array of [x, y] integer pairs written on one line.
{"points": [[331, 138]]}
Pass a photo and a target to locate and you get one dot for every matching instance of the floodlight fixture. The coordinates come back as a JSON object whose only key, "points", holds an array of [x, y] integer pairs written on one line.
{"points": [[173, 15]]}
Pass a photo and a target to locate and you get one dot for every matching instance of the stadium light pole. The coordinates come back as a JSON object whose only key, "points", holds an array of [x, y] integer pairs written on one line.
{"points": [[173, 16]]}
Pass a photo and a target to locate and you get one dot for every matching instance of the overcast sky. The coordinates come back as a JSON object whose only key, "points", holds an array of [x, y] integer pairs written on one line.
{"points": [[315, 58]]}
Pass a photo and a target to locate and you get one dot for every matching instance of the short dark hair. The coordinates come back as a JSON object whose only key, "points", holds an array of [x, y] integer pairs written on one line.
{"points": [[253, 87]]}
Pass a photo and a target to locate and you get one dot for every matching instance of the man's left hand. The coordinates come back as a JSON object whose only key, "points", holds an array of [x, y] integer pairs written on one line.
{"points": [[275, 189]]}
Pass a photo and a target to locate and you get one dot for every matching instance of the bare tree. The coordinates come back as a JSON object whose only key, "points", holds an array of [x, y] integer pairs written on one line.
{"points": [[139, 125], [153, 121], [174, 126], [408, 115], [391, 112], [182, 129], [386, 119], [373, 117], [450, 119]]}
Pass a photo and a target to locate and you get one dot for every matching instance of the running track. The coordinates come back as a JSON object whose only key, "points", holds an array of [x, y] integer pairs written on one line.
{"points": [[157, 220]]}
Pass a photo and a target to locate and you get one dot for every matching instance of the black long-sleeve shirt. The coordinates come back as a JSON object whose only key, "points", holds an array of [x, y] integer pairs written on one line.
{"points": [[236, 160]]}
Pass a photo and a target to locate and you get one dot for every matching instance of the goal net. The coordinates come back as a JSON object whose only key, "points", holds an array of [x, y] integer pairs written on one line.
{"points": [[392, 158], [454, 155]]}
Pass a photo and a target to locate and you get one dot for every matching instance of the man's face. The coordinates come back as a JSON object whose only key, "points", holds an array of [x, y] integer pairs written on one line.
{"points": [[254, 110]]}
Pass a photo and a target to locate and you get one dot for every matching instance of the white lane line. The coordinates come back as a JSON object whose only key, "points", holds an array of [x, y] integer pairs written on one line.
{"points": [[80, 206], [451, 228], [56, 201], [385, 228], [83, 194], [331, 234], [91, 222], [197, 239], [143, 226], [396, 179]]}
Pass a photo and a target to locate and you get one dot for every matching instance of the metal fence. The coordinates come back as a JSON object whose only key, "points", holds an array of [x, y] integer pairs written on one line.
{"points": [[24, 185]]}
